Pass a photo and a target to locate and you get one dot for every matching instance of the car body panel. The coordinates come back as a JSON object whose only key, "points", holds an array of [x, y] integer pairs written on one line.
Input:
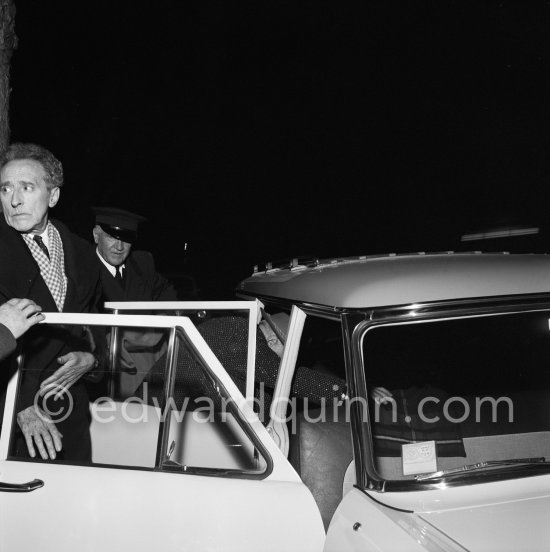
{"points": [[503, 516], [88, 508], [508, 526], [112, 509], [361, 524], [397, 280]]}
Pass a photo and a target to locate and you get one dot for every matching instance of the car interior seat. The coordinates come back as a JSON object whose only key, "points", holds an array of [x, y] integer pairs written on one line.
{"points": [[321, 451]]}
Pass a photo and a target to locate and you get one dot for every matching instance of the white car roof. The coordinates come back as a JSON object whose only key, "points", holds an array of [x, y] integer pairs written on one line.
{"points": [[376, 281]]}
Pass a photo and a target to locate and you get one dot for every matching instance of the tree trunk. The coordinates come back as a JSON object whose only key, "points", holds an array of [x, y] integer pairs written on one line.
{"points": [[8, 43]]}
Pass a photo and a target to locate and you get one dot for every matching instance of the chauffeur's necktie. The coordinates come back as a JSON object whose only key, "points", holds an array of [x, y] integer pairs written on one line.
{"points": [[41, 244], [118, 274]]}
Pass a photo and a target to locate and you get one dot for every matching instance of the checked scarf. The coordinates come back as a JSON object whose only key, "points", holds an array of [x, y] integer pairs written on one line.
{"points": [[52, 270]]}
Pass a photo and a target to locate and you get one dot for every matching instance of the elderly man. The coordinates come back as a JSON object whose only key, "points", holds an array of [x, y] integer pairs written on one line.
{"points": [[16, 317], [126, 274], [42, 260], [130, 275]]}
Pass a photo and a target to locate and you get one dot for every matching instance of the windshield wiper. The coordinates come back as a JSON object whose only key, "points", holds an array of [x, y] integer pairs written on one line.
{"points": [[481, 466]]}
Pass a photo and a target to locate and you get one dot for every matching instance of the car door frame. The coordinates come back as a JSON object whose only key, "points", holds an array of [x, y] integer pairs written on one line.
{"points": [[253, 308], [291, 507]]}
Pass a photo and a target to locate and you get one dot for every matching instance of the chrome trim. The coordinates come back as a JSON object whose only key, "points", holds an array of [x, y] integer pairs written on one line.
{"points": [[512, 303], [314, 261], [324, 311], [164, 427], [359, 435], [309, 261], [335, 313], [367, 478], [113, 356], [163, 447], [21, 487]]}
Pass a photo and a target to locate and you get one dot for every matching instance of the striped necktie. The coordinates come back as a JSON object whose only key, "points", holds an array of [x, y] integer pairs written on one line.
{"points": [[40, 242]]}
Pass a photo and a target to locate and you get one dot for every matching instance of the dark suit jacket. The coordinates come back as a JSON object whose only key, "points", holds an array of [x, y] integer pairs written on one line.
{"points": [[141, 281], [7, 342], [20, 277]]}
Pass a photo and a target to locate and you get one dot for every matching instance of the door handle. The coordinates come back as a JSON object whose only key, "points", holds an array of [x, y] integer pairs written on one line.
{"points": [[21, 487]]}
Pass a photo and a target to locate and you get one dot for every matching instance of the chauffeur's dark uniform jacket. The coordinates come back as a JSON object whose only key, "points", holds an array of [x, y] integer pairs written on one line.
{"points": [[141, 281], [7, 342], [20, 277]]}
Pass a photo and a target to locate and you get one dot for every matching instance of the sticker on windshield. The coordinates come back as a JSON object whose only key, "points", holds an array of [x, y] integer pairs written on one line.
{"points": [[419, 458]]}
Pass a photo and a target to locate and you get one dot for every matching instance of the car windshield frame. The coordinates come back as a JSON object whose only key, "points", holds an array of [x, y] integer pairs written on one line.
{"points": [[358, 324]]}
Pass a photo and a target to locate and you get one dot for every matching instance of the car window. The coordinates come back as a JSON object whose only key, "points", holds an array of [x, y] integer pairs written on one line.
{"points": [[155, 403], [476, 388], [320, 434], [321, 346], [229, 328]]}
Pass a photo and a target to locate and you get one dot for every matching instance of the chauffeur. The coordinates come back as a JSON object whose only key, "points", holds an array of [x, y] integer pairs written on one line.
{"points": [[126, 275]]}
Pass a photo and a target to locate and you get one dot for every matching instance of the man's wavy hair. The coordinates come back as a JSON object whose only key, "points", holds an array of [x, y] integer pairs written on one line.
{"points": [[51, 165]]}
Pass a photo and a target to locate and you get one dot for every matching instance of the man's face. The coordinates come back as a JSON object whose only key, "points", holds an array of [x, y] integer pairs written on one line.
{"points": [[114, 251], [25, 196]]}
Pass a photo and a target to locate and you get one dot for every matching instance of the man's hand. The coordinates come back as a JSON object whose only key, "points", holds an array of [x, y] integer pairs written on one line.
{"points": [[37, 426], [18, 315], [73, 366], [381, 395], [272, 340]]}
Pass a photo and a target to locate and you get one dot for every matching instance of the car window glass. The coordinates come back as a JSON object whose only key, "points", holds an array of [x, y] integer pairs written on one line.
{"points": [[127, 408], [477, 387], [206, 430]]}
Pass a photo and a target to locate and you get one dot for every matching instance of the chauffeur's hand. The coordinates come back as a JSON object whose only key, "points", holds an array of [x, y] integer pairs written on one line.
{"points": [[18, 315], [73, 366], [39, 430]]}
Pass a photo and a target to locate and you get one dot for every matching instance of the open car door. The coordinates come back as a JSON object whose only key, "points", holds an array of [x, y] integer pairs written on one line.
{"points": [[182, 463]]}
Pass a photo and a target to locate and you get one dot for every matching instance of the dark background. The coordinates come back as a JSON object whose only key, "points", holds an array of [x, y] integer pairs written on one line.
{"points": [[255, 130]]}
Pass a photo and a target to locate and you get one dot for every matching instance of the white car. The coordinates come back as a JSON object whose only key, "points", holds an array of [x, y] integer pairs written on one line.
{"points": [[408, 409]]}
